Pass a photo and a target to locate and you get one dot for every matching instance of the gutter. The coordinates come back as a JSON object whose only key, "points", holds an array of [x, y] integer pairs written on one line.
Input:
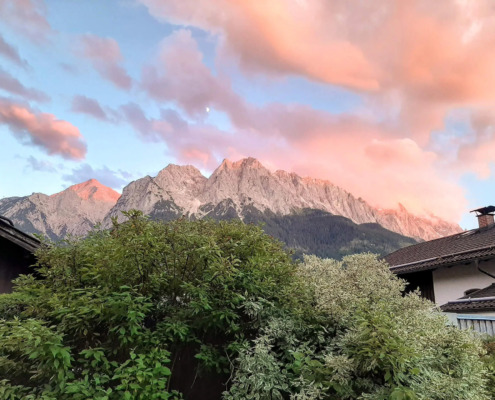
{"points": [[477, 263], [474, 300]]}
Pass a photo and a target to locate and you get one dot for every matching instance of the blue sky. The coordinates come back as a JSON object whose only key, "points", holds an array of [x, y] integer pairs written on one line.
{"points": [[385, 102]]}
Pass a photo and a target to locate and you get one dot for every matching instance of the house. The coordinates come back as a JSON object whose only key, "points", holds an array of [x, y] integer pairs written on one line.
{"points": [[16, 253], [456, 272]]}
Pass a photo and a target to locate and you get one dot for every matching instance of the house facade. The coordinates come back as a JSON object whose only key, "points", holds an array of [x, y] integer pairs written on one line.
{"points": [[456, 272], [16, 253]]}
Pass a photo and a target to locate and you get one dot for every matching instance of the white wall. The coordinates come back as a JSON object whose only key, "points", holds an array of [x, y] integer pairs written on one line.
{"points": [[450, 283]]}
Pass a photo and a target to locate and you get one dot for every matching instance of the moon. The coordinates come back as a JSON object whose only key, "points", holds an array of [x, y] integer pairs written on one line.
{"points": [[207, 109]]}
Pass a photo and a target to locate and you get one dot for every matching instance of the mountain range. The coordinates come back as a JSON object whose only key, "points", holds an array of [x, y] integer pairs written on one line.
{"points": [[244, 189]]}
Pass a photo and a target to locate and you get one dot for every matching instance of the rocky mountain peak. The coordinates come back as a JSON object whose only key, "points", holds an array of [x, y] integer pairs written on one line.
{"points": [[182, 183], [180, 170], [242, 164], [233, 176], [92, 190], [226, 164], [248, 162]]}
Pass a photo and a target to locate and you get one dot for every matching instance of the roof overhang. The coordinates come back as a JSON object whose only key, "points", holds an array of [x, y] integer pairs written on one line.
{"points": [[18, 237], [481, 254], [475, 304]]}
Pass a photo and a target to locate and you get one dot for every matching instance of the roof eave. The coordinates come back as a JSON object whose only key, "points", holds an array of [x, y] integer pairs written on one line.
{"points": [[21, 239], [432, 265]]}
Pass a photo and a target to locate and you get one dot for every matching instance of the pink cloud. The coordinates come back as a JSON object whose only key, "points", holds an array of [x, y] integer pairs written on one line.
{"points": [[477, 150], [13, 86], [179, 75], [354, 154], [418, 58], [28, 17], [276, 37], [91, 107], [11, 53], [43, 130], [384, 171], [428, 49], [105, 55]]}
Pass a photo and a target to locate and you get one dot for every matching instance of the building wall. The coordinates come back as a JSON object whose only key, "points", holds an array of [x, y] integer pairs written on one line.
{"points": [[450, 283], [14, 261]]}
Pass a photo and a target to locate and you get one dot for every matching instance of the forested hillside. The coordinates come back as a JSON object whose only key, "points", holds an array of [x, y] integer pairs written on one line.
{"points": [[329, 236]]}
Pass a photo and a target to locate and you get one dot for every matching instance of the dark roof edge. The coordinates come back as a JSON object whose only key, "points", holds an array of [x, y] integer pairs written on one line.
{"points": [[22, 239], [392, 268], [479, 304], [472, 300]]}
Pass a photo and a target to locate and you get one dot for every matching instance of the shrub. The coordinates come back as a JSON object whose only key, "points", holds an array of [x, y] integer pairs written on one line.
{"points": [[142, 311], [369, 342]]}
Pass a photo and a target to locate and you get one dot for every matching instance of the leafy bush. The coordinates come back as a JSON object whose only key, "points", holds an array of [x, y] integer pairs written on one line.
{"points": [[143, 311], [489, 361], [185, 309], [366, 341]]}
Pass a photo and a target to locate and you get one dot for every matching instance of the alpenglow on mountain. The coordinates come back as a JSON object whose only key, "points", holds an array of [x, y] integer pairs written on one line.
{"points": [[244, 189]]}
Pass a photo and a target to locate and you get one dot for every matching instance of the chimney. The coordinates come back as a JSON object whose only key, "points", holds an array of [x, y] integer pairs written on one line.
{"points": [[485, 216]]}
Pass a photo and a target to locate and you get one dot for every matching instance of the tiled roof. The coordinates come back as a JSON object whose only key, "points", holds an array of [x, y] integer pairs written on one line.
{"points": [[470, 305], [489, 291], [14, 235], [480, 300], [461, 247]]}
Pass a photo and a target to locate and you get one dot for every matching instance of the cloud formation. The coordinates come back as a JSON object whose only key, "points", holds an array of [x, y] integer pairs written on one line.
{"points": [[13, 86], [27, 17], [91, 107], [10, 53], [36, 165], [105, 55], [277, 37], [178, 75], [413, 61], [43, 130]]}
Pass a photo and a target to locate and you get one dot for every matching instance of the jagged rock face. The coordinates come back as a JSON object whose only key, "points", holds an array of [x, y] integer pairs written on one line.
{"points": [[172, 193], [233, 190], [401, 221], [247, 183], [73, 211]]}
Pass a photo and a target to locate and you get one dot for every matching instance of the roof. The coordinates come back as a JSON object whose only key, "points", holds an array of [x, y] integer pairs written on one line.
{"points": [[489, 291], [480, 300], [462, 247], [14, 235]]}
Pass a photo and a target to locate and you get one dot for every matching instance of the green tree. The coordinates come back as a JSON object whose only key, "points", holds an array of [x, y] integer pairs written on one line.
{"points": [[145, 310]]}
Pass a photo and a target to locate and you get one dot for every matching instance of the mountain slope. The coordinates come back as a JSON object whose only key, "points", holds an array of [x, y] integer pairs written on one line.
{"points": [[244, 189], [73, 211], [237, 186]]}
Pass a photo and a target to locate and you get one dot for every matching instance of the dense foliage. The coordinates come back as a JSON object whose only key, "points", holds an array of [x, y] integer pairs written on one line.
{"points": [[205, 310], [367, 342]]}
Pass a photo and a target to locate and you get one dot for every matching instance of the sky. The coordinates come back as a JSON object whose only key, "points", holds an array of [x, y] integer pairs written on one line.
{"points": [[393, 101]]}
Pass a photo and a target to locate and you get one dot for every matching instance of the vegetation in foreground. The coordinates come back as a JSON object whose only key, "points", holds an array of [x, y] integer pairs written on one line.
{"points": [[206, 310]]}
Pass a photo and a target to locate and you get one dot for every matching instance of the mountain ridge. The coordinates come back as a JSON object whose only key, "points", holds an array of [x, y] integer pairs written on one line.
{"points": [[233, 190]]}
